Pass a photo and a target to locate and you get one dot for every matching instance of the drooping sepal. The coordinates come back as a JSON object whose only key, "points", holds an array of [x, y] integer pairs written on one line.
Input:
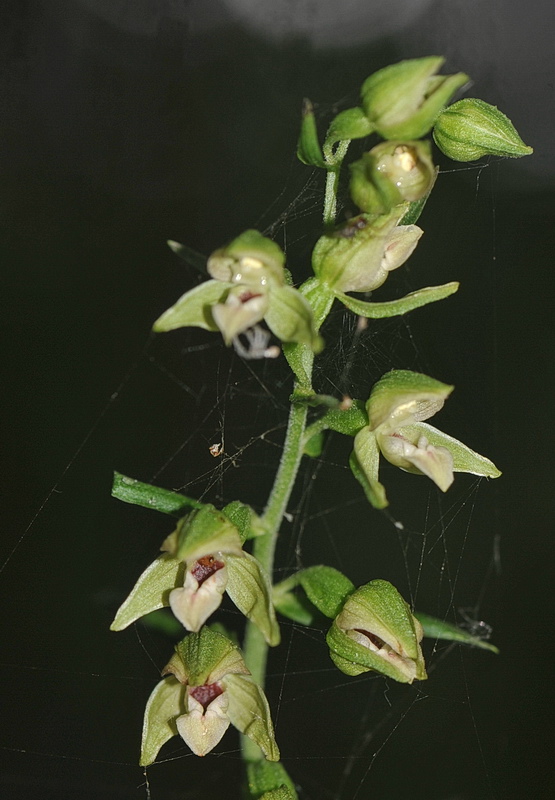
{"points": [[151, 591], [404, 99], [164, 705], [376, 630], [365, 464], [249, 588], [194, 308], [472, 128], [249, 712]]}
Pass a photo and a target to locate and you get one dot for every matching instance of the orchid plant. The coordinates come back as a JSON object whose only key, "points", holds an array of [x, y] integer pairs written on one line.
{"points": [[209, 683]]}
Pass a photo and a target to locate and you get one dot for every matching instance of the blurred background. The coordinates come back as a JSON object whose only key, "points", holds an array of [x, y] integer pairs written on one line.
{"points": [[126, 124]]}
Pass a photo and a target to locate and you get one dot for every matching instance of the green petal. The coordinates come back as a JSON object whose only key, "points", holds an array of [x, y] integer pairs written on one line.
{"points": [[193, 308], [164, 704], [151, 590], [249, 588], [464, 459], [394, 308]]}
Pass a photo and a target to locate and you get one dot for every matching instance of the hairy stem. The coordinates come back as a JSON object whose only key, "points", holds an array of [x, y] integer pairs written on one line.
{"points": [[255, 648]]}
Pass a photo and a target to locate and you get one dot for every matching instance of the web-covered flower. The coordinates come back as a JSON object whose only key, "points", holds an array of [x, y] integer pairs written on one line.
{"points": [[397, 407], [202, 559], [248, 285], [207, 688]]}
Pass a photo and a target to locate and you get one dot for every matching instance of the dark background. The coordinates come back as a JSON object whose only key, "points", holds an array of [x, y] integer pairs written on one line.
{"points": [[125, 124]]}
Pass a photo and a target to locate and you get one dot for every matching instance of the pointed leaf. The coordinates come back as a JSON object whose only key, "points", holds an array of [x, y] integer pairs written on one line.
{"points": [[347, 421], [164, 705], [394, 308], [132, 491], [439, 629], [151, 591], [249, 588], [464, 459], [308, 147], [249, 712], [296, 607], [194, 308]]}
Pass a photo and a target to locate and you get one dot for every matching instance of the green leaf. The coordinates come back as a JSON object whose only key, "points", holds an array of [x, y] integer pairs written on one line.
{"points": [[151, 590], [164, 704], [265, 778], [326, 588], [249, 712], [190, 256], [349, 124], [439, 629], [347, 421], [293, 606], [314, 445], [464, 459], [144, 494], [249, 588], [193, 309], [394, 308], [364, 463], [308, 147]]}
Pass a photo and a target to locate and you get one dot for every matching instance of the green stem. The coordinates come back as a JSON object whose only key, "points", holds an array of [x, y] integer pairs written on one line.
{"points": [[255, 648]]}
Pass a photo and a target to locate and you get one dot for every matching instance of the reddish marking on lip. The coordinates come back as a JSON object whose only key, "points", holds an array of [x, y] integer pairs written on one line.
{"points": [[248, 295], [205, 694], [205, 567]]}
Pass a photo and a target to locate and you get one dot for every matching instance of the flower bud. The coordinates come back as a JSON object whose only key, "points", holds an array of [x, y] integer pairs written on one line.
{"points": [[403, 100], [391, 173], [377, 631], [471, 128], [359, 256], [250, 259]]}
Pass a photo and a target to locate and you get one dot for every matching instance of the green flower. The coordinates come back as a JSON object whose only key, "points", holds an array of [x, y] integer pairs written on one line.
{"points": [[248, 286], [208, 688], [398, 405]]}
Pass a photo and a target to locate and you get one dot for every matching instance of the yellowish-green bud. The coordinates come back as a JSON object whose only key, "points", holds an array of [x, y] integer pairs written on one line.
{"points": [[403, 100], [471, 128], [390, 174]]}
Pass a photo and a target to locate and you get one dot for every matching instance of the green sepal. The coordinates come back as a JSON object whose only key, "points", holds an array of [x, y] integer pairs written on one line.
{"points": [[326, 588], [300, 357], [205, 657], [204, 531], [308, 146], [364, 463], [249, 588], [402, 397], [138, 493], [245, 520], [165, 703], [395, 308], [249, 712], [439, 629], [193, 309], [349, 124], [472, 128], [266, 779], [289, 317], [464, 459], [190, 256], [151, 591]]}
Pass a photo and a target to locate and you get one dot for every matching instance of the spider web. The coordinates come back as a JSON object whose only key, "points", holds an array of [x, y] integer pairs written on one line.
{"points": [[190, 415]]}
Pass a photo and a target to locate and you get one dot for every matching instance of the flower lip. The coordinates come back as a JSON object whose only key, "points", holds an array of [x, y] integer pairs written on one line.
{"points": [[206, 694], [205, 567]]}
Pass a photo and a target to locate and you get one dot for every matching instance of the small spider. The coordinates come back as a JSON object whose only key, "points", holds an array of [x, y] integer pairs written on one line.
{"points": [[257, 344], [216, 449]]}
